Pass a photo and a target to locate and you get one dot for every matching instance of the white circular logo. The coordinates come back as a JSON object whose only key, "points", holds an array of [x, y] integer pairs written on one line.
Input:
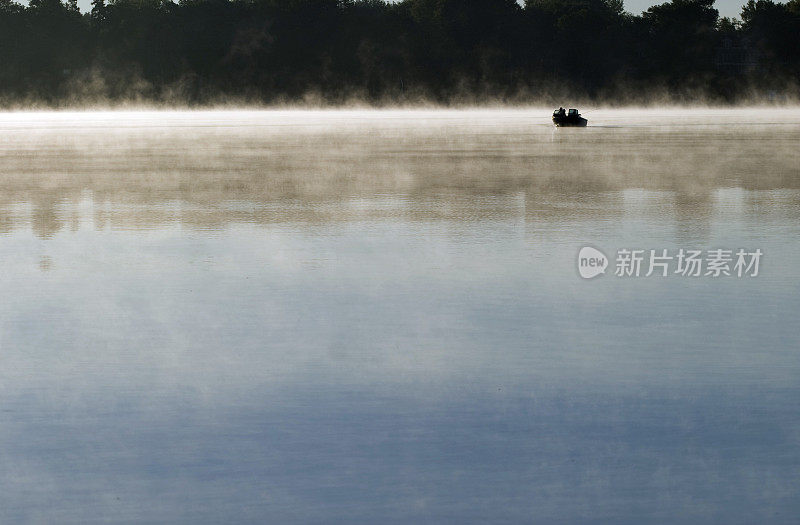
{"points": [[591, 262]]}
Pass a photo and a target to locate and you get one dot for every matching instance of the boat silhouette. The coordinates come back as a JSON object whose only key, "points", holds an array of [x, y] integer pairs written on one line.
{"points": [[563, 118]]}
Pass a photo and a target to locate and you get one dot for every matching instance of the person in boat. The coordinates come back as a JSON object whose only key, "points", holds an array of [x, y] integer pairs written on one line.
{"points": [[572, 118], [560, 113]]}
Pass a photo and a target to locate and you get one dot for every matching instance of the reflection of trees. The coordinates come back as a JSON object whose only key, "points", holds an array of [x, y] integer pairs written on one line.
{"points": [[6, 220], [45, 221], [138, 179], [693, 213]]}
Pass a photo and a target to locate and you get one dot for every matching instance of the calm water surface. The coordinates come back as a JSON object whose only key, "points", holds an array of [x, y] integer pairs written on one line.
{"points": [[376, 317]]}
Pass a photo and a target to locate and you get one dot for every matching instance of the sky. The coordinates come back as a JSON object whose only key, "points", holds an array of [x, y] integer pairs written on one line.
{"points": [[729, 8]]}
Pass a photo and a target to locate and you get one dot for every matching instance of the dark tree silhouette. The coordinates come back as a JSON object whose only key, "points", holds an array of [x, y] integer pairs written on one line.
{"points": [[196, 51]]}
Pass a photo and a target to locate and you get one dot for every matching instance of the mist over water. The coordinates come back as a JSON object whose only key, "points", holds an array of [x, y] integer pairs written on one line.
{"points": [[376, 316]]}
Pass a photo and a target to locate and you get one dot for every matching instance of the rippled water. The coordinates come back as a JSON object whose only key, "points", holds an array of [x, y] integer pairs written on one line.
{"points": [[376, 317]]}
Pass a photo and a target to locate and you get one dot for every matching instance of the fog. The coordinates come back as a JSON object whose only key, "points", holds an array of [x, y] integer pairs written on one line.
{"points": [[375, 316]]}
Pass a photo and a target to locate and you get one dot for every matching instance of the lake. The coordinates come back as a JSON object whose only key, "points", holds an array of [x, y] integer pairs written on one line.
{"points": [[363, 316]]}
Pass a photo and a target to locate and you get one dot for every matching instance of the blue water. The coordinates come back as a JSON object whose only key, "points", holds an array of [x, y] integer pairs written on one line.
{"points": [[379, 319]]}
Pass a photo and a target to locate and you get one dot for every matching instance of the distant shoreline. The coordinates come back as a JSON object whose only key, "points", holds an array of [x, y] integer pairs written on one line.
{"points": [[330, 53]]}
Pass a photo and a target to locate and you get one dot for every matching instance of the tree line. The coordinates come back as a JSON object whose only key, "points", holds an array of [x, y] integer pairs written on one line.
{"points": [[443, 51]]}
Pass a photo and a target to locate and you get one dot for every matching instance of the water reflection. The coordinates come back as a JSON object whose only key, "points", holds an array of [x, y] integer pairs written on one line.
{"points": [[360, 317]]}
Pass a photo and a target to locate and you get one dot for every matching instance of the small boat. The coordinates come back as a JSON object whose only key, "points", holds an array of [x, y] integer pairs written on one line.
{"points": [[562, 118]]}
